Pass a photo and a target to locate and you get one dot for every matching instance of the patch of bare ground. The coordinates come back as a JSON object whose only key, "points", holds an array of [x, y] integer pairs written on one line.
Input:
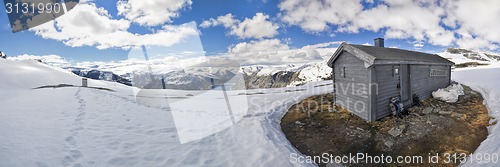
{"points": [[434, 127], [68, 85]]}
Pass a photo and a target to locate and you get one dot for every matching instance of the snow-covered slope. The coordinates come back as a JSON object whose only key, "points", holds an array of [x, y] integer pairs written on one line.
{"points": [[34, 74], [74, 126], [485, 80], [286, 75], [459, 56], [313, 72]]}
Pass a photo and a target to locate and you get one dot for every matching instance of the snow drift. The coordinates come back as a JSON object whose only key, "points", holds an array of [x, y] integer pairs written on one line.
{"points": [[449, 94], [484, 80]]}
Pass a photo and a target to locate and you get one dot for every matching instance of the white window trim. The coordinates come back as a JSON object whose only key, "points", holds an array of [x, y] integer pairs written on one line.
{"points": [[342, 72], [394, 68], [438, 73]]}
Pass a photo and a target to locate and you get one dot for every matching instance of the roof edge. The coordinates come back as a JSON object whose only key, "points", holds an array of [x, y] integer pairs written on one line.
{"points": [[367, 58], [336, 54]]}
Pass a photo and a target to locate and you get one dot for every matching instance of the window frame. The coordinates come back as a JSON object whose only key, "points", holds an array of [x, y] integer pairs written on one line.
{"points": [[342, 72], [438, 72], [396, 70]]}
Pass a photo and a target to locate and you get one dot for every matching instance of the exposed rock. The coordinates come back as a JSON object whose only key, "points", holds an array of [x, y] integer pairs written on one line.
{"points": [[427, 110], [396, 131], [299, 123], [456, 115], [416, 114], [389, 143], [273, 80], [333, 164], [102, 75], [444, 112]]}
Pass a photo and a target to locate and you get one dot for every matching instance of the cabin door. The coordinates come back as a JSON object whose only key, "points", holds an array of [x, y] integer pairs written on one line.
{"points": [[405, 84]]}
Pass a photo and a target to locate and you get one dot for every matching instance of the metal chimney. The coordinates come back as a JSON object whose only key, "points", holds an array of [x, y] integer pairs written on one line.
{"points": [[379, 42]]}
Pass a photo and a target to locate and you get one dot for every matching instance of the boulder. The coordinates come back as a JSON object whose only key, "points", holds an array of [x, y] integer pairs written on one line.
{"points": [[427, 110], [456, 115], [444, 112], [299, 123], [396, 131], [388, 143]]}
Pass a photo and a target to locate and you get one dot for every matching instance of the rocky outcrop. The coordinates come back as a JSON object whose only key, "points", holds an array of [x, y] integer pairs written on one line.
{"points": [[276, 80], [102, 75]]}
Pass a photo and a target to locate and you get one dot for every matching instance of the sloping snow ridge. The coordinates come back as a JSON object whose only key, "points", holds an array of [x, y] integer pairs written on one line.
{"points": [[313, 72], [75, 126], [485, 80], [449, 94], [459, 56]]}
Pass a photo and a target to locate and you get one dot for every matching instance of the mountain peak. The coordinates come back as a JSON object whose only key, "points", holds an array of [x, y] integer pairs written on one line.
{"points": [[460, 55]]}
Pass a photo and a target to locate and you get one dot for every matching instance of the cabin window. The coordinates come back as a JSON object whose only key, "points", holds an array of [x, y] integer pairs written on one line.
{"points": [[342, 72], [395, 71], [438, 73]]}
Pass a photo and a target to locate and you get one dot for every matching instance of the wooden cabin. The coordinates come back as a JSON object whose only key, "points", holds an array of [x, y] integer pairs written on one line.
{"points": [[367, 77]]}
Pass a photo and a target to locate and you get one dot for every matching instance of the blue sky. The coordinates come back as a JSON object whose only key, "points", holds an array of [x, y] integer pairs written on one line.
{"points": [[294, 28]]}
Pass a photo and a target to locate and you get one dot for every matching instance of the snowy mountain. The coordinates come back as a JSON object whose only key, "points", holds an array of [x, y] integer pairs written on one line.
{"points": [[200, 77], [285, 75], [195, 77], [459, 56], [100, 75]]}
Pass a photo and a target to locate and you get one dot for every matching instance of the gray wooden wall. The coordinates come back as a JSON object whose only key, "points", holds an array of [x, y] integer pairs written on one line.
{"points": [[422, 84], [352, 90], [386, 89]]}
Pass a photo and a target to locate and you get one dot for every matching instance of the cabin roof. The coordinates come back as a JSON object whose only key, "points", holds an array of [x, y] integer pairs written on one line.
{"points": [[381, 55]]}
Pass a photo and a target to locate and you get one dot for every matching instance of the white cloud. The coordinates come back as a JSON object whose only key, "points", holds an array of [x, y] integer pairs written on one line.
{"points": [[257, 27], [418, 44], [315, 16], [158, 65], [54, 60], [261, 52], [227, 21], [151, 12], [477, 21], [88, 25], [274, 52], [258, 46], [468, 24], [405, 19]]}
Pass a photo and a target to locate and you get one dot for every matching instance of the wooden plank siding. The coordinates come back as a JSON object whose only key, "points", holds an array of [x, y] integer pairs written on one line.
{"points": [[351, 90], [423, 84], [387, 85], [370, 81]]}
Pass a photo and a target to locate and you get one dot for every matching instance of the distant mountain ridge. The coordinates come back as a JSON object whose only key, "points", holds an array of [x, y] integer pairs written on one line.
{"points": [[460, 56], [255, 76], [100, 75], [193, 78]]}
